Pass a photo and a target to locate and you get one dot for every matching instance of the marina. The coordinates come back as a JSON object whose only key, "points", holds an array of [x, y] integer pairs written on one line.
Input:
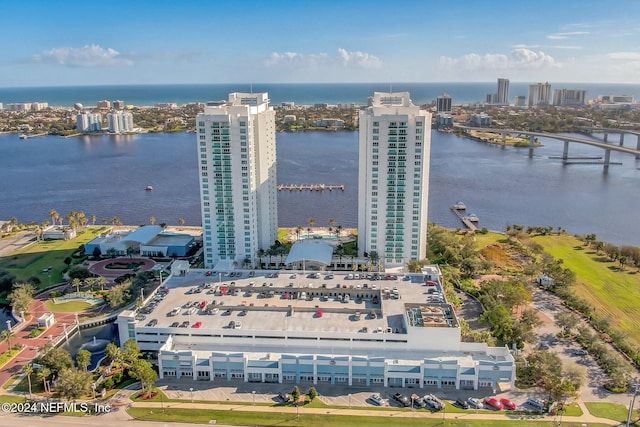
{"points": [[311, 187]]}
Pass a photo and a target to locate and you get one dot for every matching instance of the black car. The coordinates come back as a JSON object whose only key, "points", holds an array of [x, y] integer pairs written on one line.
{"points": [[402, 399], [152, 323], [461, 403], [284, 397], [174, 325]]}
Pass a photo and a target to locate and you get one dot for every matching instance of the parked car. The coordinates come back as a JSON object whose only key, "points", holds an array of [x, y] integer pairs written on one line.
{"points": [[174, 325], [493, 403], [536, 403], [418, 402], [434, 402], [376, 399], [402, 399], [197, 324], [580, 352], [152, 322], [508, 404], [284, 397], [462, 404], [475, 403], [185, 324]]}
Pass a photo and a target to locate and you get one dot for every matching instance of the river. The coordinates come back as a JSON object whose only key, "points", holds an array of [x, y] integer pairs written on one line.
{"points": [[107, 176]]}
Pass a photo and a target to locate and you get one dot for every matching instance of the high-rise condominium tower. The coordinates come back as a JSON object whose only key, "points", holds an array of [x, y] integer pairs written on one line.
{"points": [[238, 189], [503, 92], [393, 178], [539, 94]]}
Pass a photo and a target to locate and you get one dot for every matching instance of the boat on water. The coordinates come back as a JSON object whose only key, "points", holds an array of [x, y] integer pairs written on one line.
{"points": [[460, 206], [149, 188], [473, 218], [23, 136]]}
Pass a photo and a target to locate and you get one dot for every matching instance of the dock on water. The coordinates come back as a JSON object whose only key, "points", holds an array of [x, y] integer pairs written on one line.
{"points": [[311, 187], [460, 213]]}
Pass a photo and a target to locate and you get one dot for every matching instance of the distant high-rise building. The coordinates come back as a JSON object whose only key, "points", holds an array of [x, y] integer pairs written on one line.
{"points": [[393, 178], [520, 101], [616, 99], [104, 104], [120, 122], [502, 97], [118, 105], [88, 122], [539, 94], [569, 97], [238, 188], [443, 103]]}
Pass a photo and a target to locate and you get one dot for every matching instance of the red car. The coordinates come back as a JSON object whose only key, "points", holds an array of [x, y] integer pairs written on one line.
{"points": [[197, 324], [508, 404], [494, 403], [203, 304]]}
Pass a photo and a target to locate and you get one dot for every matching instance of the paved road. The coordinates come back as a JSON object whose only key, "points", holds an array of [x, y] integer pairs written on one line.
{"points": [[16, 242]]}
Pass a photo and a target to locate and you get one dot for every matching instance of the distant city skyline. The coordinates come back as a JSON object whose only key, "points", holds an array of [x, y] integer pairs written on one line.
{"points": [[166, 42]]}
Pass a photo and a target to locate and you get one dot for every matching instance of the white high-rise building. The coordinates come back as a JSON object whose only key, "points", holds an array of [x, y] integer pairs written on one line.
{"points": [[502, 97], [539, 94], [238, 188], [120, 122], [88, 122], [393, 179]]}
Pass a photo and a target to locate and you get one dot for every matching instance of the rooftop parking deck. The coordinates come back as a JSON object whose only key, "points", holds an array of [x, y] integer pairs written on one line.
{"points": [[292, 301]]}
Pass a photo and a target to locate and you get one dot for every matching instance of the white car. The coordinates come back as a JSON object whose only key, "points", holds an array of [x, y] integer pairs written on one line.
{"points": [[375, 398], [476, 403]]}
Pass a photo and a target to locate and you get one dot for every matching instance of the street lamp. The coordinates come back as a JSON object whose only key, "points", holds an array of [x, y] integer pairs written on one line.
{"points": [[191, 390], [636, 389], [253, 394]]}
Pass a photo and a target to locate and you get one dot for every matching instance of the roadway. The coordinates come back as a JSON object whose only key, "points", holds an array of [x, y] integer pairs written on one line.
{"points": [[603, 145]]}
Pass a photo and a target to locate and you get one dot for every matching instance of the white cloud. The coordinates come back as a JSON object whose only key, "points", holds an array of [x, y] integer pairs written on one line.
{"points": [[86, 56], [564, 36], [344, 58], [624, 55], [520, 58]]}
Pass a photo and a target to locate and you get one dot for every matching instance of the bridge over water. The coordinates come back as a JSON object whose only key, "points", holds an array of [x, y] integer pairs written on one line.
{"points": [[608, 148]]}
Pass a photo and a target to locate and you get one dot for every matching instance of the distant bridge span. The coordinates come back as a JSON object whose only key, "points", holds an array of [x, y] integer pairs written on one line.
{"points": [[607, 131], [566, 139]]}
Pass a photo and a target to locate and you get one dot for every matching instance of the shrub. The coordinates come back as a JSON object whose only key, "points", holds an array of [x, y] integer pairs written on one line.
{"points": [[108, 383], [117, 377]]}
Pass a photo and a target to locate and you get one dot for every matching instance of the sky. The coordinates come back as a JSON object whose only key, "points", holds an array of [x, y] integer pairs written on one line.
{"points": [[67, 43]]}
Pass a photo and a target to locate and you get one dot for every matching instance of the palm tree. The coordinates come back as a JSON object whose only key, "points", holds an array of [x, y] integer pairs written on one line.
{"points": [[298, 231], [181, 222], [260, 254], [54, 216], [28, 370], [7, 335], [93, 219], [101, 281], [76, 282], [38, 233], [338, 231], [105, 221], [312, 222], [152, 220], [42, 375], [332, 222]]}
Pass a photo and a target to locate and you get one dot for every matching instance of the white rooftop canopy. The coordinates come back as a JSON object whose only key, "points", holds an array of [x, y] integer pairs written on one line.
{"points": [[311, 250]]}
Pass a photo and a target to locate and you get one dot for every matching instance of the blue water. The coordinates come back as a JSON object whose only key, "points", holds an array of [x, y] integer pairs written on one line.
{"points": [[331, 93], [107, 176]]}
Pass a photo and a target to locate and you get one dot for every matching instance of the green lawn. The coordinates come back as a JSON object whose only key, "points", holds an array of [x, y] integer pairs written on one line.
{"points": [[30, 261], [614, 293], [612, 411], [10, 398], [68, 307], [307, 420], [484, 240]]}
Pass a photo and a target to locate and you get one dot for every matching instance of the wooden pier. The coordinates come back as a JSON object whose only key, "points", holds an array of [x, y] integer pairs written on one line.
{"points": [[311, 187], [460, 213]]}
